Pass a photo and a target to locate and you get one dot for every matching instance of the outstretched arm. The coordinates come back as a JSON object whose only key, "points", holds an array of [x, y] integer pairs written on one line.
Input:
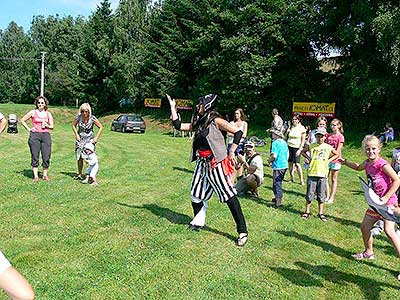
{"points": [[353, 165], [174, 116]]}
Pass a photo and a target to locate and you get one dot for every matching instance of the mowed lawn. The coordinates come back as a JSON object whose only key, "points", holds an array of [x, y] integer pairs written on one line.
{"points": [[127, 238]]}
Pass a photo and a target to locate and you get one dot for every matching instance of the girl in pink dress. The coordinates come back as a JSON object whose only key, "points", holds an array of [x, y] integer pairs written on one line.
{"points": [[385, 183]]}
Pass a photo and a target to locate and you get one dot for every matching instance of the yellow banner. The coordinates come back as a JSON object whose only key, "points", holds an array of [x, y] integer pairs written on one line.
{"points": [[184, 103], [314, 109], [152, 102]]}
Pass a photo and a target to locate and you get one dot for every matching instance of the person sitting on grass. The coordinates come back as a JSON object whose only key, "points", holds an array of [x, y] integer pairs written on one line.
{"points": [[279, 160], [253, 164], [13, 283], [385, 183], [387, 135], [89, 155], [321, 155]]}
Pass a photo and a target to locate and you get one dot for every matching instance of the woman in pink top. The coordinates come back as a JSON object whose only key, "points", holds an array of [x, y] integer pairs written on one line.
{"points": [[385, 183], [39, 136], [336, 140]]}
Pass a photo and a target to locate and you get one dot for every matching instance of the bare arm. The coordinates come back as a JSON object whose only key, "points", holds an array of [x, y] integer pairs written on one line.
{"points": [[302, 141], [74, 123], [245, 126], [334, 155], [225, 126], [50, 124], [388, 170], [340, 147], [352, 165], [100, 126], [174, 115], [272, 158], [27, 116]]}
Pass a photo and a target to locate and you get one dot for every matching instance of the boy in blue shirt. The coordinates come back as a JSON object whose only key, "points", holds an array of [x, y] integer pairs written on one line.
{"points": [[279, 159]]}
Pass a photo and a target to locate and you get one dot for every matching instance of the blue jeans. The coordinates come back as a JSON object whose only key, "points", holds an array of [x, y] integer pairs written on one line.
{"points": [[278, 176]]}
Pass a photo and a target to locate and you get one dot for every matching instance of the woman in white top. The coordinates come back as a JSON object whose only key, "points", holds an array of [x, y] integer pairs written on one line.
{"points": [[239, 122], [296, 138]]}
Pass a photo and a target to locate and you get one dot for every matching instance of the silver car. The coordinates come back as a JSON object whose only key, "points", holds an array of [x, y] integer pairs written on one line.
{"points": [[125, 123]]}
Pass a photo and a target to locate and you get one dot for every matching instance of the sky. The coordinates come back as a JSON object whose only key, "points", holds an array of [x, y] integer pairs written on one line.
{"points": [[22, 12]]}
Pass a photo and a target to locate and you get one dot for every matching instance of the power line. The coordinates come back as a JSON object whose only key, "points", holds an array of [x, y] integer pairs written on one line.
{"points": [[19, 58]]}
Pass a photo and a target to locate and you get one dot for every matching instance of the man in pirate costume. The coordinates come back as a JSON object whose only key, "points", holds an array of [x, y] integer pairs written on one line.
{"points": [[214, 168]]}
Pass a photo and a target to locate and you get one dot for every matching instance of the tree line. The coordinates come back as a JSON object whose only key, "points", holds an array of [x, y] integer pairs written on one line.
{"points": [[255, 54]]}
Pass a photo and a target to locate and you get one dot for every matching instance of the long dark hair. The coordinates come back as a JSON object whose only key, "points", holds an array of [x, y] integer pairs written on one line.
{"points": [[202, 122]]}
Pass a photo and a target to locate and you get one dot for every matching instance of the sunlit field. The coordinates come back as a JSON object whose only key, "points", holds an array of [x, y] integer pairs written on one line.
{"points": [[127, 238]]}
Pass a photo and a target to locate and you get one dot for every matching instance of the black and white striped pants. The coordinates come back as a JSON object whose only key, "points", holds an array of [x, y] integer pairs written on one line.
{"points": [[207, 180]]}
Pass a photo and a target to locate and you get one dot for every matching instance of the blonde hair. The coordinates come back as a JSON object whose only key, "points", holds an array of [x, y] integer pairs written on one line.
{"points": [[370, 138], [341, 130], [85, 106]]}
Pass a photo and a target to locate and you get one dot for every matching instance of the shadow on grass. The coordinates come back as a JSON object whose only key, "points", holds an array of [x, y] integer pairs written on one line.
{"points": [[26, 172], [182, 170], [289, 208], [357, 192], [324, 245], [309, 275], [175, 217], [333, 249], [70, 174], [286, 191]]}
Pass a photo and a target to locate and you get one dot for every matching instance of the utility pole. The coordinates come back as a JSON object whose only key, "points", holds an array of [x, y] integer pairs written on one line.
{"points": [[42, 75]]}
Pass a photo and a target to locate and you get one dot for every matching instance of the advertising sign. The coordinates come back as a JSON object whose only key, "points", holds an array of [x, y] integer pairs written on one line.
{"points": [[314, 109], [152, 102], [184, 103]]}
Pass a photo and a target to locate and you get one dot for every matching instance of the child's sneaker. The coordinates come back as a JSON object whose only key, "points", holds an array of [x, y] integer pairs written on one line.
{"points": [[377, 229], [363, 255], [94, 183], [84, 181]]}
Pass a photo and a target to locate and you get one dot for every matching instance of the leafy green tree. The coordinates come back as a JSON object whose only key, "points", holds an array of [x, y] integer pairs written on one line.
{"points": [[19, 79], [61, 39], [98, 51]]}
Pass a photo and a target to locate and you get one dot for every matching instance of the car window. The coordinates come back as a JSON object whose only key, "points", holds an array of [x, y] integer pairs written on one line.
{"points": [[134, 118], [119, 118]]}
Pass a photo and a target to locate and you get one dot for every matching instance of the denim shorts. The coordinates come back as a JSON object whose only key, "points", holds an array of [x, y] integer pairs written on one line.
{"points": [[335, 166]]}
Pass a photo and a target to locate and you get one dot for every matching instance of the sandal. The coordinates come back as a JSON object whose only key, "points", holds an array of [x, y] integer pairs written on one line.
{"points": [[306, 215], [242, 240], [364, 255], [322, 217]]}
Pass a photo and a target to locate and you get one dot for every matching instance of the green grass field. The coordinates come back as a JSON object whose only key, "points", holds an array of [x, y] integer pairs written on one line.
{"points": [[127, 238]]}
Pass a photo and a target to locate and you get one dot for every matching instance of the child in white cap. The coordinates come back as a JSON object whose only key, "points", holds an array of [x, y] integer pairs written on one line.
{"points": [[89, 155]]}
